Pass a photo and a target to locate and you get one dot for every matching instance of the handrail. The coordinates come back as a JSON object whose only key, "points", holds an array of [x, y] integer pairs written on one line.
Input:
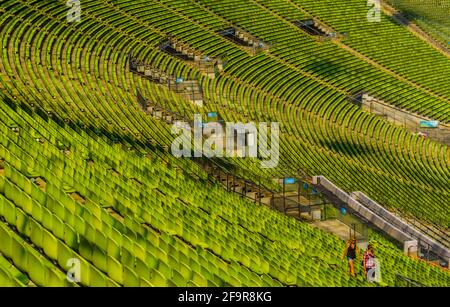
{"points": [[442, 237], [409, 282], [361, 211], [383, 219], [422, 238]]}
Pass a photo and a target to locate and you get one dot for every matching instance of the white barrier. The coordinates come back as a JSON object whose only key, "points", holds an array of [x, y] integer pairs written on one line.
{"points": [[437, 248], [381, 223]]}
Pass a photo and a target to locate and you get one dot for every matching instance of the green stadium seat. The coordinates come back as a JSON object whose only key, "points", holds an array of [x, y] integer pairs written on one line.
{"points": [[99, 259], [20, 255], [85, 249], [144, 283], [36, 270], [70, 237], [50, 244], [158, 280], [23, 223], [115, 271], [96, 279], [130, 278], [9, 211]]}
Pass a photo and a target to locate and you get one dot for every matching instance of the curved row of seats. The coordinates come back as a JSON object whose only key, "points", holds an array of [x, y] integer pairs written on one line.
{"points": [[89, 188], [92, 70], [78, 215], [248, 71], [136, 222], [431, 17], [386, 42]]}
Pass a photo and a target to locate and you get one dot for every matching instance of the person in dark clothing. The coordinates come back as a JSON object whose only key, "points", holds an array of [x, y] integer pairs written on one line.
{"points": [[351, 252]]}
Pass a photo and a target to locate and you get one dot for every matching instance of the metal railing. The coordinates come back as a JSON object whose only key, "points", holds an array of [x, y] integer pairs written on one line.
{"points": [[403, 281]]}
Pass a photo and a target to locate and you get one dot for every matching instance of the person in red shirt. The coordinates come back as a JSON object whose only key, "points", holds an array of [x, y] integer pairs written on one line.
{"points": [[369, 262]]}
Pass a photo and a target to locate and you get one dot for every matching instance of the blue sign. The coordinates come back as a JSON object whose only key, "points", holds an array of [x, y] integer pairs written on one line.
{"points": [[429, 124], [289, 180], [343, 211], [179, 80], [212, 114]]}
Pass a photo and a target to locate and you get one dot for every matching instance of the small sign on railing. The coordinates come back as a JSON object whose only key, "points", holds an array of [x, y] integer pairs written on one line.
{"points": [[429, 124], [289, 180]]}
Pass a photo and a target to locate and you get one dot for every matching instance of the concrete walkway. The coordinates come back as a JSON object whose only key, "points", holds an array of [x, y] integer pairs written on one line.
{"points": [[336, 227]]}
